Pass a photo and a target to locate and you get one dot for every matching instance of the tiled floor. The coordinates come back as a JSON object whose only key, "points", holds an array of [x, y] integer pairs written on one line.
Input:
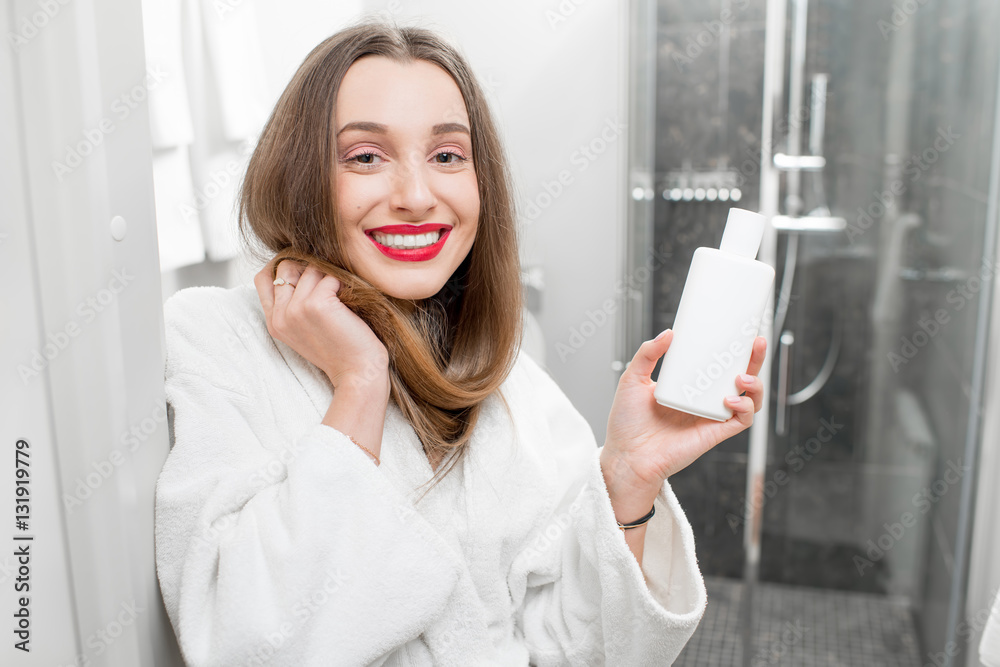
{"points": [[803, 627]]}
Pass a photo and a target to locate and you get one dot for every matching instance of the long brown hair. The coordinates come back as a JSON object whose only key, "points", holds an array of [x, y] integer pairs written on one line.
{"points": [[448, 352]]}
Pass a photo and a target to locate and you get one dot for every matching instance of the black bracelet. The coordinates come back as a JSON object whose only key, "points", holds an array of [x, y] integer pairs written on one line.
{"points": [[641, 521]]}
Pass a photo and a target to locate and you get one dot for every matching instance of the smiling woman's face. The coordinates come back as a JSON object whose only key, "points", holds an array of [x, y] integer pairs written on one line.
{"points": [[407, 193]]}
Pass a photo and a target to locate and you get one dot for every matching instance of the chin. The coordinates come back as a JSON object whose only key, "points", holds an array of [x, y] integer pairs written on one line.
{"points": [[412, 292]]}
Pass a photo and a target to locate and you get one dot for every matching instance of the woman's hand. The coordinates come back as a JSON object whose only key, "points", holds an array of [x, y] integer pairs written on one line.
{"points": [[648, 442], [311, 320]]}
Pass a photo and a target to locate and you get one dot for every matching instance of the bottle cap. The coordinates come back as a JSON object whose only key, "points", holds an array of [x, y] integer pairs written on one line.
{"points": [[744, 230]]}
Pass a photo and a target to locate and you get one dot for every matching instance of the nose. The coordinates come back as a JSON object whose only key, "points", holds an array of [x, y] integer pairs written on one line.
{"points": [[411, 190]]}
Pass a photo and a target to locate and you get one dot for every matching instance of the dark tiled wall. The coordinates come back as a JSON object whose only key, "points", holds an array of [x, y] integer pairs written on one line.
{"points": [[708, 118]]}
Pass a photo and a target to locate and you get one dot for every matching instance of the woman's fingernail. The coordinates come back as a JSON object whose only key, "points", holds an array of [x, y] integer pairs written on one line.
{"points": [[662, 334], [733, 399], [746, 378]]}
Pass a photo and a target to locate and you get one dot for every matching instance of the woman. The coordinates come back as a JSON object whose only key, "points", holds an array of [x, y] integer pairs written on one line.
{"points": [[376, 351]]}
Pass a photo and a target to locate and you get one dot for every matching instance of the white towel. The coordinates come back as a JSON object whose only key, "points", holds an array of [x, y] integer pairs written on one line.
{"points": [[989, 647], [217, 173], [169, 111], [178, 226], [236, 61], [228, 109]]}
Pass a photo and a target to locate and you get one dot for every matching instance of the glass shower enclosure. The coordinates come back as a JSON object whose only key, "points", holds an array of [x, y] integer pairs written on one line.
{"points": [[837, 529]]}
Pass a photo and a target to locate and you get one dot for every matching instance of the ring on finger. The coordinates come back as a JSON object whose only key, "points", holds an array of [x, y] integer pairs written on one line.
{"points": [[282, 281]]}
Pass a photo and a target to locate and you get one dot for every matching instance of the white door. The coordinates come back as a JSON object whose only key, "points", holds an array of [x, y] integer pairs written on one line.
{"points": [[83, 429]]}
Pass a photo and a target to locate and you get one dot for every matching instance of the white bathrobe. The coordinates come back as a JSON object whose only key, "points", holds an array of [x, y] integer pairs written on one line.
{"points": [[279, 541], [989, 645]]}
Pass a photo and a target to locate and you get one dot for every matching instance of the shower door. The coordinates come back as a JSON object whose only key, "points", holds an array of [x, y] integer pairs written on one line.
{"points": [[865, 132]]}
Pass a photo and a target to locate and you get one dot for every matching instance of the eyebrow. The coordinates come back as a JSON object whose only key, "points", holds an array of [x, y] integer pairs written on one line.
{"points": [[378, 128]]}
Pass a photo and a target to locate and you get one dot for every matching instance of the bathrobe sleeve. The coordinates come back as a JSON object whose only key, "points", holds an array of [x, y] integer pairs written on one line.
{"points": [[586, 600], [293, 553]]}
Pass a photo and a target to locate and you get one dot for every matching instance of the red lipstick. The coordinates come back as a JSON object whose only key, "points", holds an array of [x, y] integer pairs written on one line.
{"points": [[410, 254]]}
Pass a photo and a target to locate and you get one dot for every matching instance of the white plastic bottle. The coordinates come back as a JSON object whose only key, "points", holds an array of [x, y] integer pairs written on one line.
{"points": [[717, 321]]}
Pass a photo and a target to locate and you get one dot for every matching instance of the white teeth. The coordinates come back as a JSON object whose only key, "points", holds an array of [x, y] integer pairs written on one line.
{"points": [[407, 240]]}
